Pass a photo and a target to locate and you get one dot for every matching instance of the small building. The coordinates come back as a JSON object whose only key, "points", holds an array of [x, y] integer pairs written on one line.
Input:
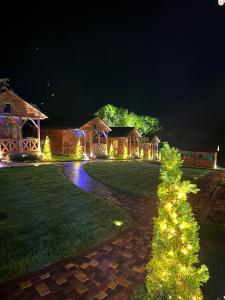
{"points": [[64, 135], [19, 125], [125, 139], [200, 156], [151, 149]]}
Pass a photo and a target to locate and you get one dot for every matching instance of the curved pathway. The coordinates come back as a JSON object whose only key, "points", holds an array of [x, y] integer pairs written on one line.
{"points": [[111, 271]]}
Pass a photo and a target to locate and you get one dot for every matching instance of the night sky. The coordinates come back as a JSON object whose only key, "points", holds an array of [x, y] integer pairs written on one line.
{"points": [[162, 58]]}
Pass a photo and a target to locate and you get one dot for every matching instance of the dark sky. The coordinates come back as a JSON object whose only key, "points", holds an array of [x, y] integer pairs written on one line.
{"points": [[163, 58]]}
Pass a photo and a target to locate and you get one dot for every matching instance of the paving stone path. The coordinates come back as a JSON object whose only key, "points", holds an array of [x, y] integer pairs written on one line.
{"points": [[111, 271]]}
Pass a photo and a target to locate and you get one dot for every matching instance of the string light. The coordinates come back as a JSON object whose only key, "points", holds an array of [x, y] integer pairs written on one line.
{"points": [[175, 238]]}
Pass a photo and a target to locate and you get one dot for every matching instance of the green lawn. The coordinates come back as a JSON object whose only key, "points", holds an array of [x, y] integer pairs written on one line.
{"points": [[136, 177], [44, 218], [141, 178]]}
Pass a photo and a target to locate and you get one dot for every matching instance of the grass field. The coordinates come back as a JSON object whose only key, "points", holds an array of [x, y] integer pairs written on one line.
{"points": [[141, 178], [135, 177], [44, 218]]}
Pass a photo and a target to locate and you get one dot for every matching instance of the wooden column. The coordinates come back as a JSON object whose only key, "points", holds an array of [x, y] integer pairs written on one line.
{"points": [[130, 149], [85, 143], [99, 141], [39, 136], [134, 147], [20, 134], [106, 140], [138, 147], [91, 137]]}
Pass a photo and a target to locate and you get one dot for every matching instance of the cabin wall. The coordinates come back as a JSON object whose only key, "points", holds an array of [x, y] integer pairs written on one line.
{"points": [[56, 139], [199, 159]]}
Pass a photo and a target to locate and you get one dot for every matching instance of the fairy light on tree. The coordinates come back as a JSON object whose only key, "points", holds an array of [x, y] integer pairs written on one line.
{"points": [[172, 271], [77, 151], [46, 153]]}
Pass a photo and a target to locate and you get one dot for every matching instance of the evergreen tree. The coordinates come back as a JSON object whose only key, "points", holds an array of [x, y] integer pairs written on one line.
{"points": [[46, 153], [172, 271], [78, 151]]}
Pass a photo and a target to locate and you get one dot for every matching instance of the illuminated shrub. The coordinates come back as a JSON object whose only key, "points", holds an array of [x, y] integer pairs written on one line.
{"points": [[78, 151], [172, 271], [46, 153]]}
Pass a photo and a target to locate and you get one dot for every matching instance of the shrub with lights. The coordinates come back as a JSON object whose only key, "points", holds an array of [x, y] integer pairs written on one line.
{"points": [[46, 153], [174, 272], [78, 151]]}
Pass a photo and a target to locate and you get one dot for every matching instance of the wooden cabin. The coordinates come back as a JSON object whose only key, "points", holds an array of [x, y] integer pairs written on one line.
{"points": [[124, 139], [151, 149], [91, 131], [19, 125], [200, 156]]}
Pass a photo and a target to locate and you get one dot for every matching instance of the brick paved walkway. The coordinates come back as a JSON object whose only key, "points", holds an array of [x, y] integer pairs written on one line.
{"points": [[111, 271]]}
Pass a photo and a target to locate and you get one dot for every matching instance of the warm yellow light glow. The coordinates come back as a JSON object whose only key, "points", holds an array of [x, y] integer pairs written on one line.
{"points": [[180, 196], [125, 153], [174, 215], [184, 251], [163, 226], [118, 223], [46, 153], [169, 205]]}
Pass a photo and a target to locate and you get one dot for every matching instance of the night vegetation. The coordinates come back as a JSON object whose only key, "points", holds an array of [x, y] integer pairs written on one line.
{"points": [[121, 117], [172, 270]]}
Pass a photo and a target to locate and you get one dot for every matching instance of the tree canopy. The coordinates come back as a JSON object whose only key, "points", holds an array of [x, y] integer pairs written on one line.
{"points": [[121, 117]]}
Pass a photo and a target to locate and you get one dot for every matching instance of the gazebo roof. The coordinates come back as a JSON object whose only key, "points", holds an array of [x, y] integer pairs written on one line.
{"points": [[78, 122], [19, 107]]}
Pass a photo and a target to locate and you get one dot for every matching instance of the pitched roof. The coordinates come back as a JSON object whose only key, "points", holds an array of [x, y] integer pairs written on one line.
{"points": [[19, 106], [121, 131], [76, 123]]}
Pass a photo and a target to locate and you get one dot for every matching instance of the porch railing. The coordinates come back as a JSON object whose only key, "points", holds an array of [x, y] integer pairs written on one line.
{"points": [[13, 145]]}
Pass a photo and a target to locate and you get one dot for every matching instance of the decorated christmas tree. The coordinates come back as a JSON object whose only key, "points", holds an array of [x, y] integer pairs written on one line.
{"points": [[173, 272], [46, 153], [111, 152], [77, 151]]}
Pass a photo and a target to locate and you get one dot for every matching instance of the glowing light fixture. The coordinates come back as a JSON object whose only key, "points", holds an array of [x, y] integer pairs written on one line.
{"points": [[221, 2], [118, 223]]}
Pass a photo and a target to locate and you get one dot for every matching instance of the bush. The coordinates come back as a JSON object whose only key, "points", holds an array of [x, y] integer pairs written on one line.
{"points": [[22, 157], [102, 156]]}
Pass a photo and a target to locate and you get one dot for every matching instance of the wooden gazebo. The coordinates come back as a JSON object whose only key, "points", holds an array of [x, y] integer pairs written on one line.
{"points": [[15, 115], [64, 135], [125, 137]]}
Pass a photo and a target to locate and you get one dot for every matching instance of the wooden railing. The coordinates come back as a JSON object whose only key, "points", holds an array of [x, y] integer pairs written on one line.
{"points": [[29, 145], [15, 145]]}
